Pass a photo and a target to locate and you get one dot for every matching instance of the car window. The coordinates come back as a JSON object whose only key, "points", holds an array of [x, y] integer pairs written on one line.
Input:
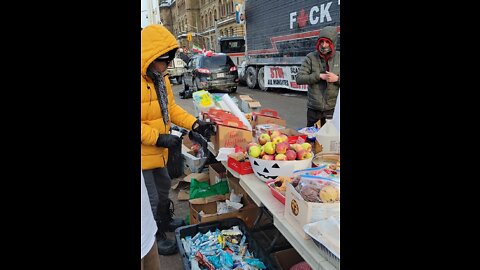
{"points": [[216, 61]]}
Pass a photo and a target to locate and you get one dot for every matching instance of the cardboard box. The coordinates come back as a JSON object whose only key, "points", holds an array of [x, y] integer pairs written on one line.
{"points": [[251, 106], [217, 172], [184, 185], [244, 167], [248, 104], [248, 213], [234, 184], [230, 134], [299, 212], [267, 116], [287, 258]]}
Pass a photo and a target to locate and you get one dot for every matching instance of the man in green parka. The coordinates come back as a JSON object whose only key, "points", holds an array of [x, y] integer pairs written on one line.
{"points": [[321, 71]]}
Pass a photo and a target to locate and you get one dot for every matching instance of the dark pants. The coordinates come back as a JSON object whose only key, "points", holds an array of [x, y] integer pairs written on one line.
{"points": [[158, 185], [313, 116]]}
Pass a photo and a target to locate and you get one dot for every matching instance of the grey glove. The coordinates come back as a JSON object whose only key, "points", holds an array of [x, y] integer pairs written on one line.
{"points": [[167, 140]]}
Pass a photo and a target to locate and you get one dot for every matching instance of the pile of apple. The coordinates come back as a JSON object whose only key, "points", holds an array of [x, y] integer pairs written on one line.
{"points": [[275, 146]]}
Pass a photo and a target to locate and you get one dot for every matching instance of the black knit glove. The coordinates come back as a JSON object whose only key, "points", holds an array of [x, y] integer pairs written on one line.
{"points": [[167, 140], [206, 129]]}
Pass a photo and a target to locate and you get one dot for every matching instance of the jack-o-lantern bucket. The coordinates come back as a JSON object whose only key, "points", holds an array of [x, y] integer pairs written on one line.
{"points": [[269, 169]]}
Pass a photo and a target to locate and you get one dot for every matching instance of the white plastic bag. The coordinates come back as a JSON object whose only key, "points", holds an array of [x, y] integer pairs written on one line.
{"points": [[329, 137]]}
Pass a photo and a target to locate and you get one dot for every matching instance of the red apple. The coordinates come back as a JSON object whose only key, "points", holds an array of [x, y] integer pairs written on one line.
{"points": [[277, 140], [251, 144], [268, 157], [275, 133], [284, 138], [297, 147], [281, 148], [264, 138], [280, 157], [291, 155], [302, 154]]}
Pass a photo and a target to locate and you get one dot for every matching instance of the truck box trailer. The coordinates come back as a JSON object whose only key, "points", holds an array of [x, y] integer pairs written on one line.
{"points": [[279, 34]]}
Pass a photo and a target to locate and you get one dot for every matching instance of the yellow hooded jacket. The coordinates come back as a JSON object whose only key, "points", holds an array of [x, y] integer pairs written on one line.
{"points": [[156, 41]]}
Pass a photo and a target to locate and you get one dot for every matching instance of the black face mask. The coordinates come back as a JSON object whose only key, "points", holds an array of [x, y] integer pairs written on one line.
{"points": [[325, 50]]}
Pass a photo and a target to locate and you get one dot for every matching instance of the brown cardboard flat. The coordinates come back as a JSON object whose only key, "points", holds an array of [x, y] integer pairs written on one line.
{"points": [[210, 199], [184, 185], [245, 97], [183, 195], [287, 258], [201, 177]]}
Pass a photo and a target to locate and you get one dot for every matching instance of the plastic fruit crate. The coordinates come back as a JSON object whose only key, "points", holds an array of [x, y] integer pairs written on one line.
{"points": [[192, 230]]}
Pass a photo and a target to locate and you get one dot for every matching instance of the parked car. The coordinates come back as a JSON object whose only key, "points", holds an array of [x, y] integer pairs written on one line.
{"points": [[213, 72], [176, 69]]}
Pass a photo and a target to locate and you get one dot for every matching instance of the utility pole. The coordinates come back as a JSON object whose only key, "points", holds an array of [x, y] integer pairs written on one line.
{"points": [[216, 36]]}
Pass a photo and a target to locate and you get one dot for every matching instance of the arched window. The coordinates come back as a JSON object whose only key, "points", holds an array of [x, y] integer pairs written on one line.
{"points": [[222, 13]]}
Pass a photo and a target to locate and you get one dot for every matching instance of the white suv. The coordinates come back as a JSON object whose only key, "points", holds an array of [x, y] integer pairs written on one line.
{"points": [[175, 69]]}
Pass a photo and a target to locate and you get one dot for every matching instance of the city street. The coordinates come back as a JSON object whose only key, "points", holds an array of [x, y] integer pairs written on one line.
{"points": [[290, 105]]}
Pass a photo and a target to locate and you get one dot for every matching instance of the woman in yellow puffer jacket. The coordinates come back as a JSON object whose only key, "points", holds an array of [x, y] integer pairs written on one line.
{"points": [[158, 111]]}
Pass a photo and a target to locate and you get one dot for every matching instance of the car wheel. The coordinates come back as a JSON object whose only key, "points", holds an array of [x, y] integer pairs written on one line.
{"points": [[179, 79], [251, 77], [261, 82]]}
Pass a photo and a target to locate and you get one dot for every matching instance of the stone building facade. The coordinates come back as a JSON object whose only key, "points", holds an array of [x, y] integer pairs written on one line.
{"points": [[206, 20]]}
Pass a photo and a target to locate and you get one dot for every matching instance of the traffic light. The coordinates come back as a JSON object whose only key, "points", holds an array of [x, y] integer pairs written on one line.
{"points": [[189, 36]]}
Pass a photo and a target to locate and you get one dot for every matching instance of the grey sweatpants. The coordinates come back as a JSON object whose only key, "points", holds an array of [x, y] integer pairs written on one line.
{"points": [[158, 184]]}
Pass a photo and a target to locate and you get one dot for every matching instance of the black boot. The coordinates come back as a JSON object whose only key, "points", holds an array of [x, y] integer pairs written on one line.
{"points": [[165, 246], [166, 213]]}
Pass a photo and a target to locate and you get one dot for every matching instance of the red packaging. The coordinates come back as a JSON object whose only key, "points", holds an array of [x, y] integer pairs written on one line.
{"points": [[240, 167], [275, 192]]}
